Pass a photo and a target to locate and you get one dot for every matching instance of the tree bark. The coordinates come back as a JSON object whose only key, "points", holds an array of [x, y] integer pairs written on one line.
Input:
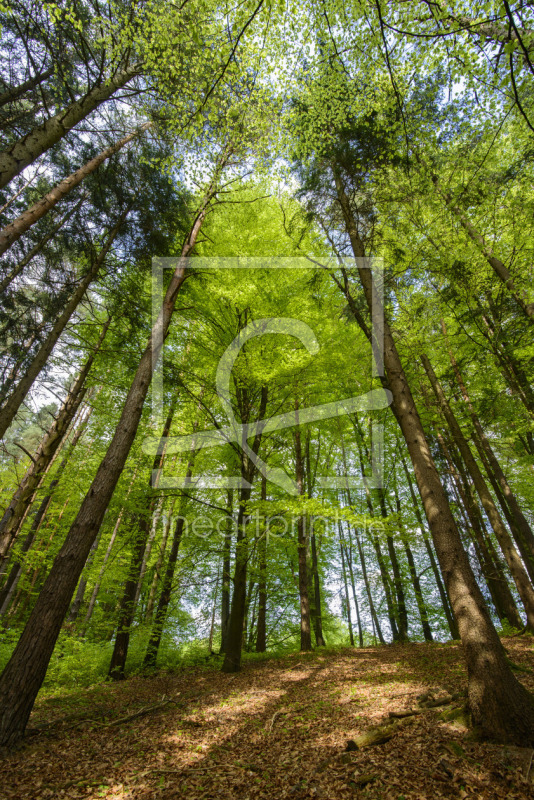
{"points": [[232, 653], [348, 558], [16, 398], [17, 91], [14, 575], [24, 152], [14, 230], [166, 586], [488, 558], [18, 268], [345, 582], [131, 591], [226, 575], [261, 631], [521, 579], [302, 545], [500, 270], [451, 622], [499, 704], [21, 502], [26, 669]]}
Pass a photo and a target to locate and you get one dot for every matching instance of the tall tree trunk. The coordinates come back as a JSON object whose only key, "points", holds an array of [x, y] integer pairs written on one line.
{"points": [[499, 704], [318, 618], [21, 502], [487, 556], [500, 270], [15, 400], [494, 470], [18, 268], [82, 585], [158, 625], [16, 570], [348, 557], [226, 575], [232, 653], [302, 545], [131, 592], [15, 229], [515, 565], [26, 669], [376, 544], [451, 622], [261, 631], [372, 609], [17, 91], [166, 589], [23, 152], [345, 582], [149, 612]]}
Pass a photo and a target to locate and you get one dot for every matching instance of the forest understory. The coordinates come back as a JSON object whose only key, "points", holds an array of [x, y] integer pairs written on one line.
{"points": [[281, 728]]}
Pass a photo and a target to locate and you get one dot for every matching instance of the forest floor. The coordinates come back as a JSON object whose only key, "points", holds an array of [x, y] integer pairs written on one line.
{"points": [[278, 729]]}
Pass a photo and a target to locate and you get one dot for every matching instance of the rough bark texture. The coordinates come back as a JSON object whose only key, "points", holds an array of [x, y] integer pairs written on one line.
{"points": [[18, 268], [302, 545], [515, 565], [25, 671], [226, 576], [232, 653], [499, 704], [10, 233], [24, 152], [16, 398], [261, 632], [23, 497], [453, 627]]}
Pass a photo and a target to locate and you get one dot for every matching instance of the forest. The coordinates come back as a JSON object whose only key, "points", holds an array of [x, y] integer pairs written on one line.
{"points": [[266, 368]]}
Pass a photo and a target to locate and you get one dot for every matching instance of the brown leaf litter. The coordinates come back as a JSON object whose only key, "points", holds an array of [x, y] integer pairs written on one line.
{"points": [[284, 728]]}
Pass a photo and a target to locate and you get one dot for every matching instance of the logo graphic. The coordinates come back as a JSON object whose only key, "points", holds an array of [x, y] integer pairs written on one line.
{"points": [[240, 433]]}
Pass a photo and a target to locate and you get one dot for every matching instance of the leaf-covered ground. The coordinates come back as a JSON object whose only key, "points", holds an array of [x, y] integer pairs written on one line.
{"points": [[278, 729]]}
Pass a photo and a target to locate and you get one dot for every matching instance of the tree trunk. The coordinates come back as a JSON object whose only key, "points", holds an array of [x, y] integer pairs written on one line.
{"points": [[131, 591], [521, 580], [494, 470], [226, 575], [302, 545], [261, 631], [372, 609], [24, 152], [166, 588], [232, 653], [348, 557], [499, 704], [13, 578], [82, 585], [25, 671], [344, 570], [20, 503], [318, 619], [14, 230], [159, 564], [453, 627], [17, 269], [500, 270], [487, 556], [15, 400], [17, 91]]}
